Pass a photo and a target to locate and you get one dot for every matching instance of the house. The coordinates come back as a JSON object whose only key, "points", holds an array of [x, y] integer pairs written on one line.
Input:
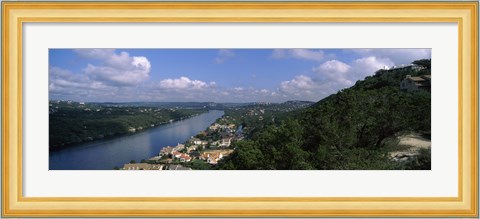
{"points": [[405, 67], [411, 84], [166, 151], [179, 147], [142, 166], [211, 157], [225, 142], [417, 67], [197, 141], [176, 154], [192, 148], [185, 158], [214, 127], [214, 158]]}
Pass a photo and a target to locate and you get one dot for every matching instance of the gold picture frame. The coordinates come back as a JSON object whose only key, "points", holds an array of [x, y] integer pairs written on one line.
{"points": [[15, 14]]}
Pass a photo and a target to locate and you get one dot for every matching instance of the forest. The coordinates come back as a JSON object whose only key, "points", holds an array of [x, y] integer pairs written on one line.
{"points": [[73, 123], [353, 129]]}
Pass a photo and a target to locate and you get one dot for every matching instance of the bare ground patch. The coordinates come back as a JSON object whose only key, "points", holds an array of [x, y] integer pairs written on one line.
{"points": [[409, 145]]}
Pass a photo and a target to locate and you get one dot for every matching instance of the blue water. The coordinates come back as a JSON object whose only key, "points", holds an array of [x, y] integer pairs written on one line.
{"points": [[106, 154]]}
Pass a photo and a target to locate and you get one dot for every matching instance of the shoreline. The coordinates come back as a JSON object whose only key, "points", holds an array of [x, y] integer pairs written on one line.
{"points": [[118, 136], [159, 159]]}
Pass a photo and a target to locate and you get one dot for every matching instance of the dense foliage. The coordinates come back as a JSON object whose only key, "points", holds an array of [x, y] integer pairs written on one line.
{"points": [[255, 117], [73, 123], [347, 130]]}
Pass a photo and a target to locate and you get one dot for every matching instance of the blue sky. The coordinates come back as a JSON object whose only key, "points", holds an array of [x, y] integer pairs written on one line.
{"points": [[218, 75]]}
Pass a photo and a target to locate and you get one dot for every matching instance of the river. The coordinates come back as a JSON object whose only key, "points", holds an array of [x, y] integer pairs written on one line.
{"points": [[106, 154]]}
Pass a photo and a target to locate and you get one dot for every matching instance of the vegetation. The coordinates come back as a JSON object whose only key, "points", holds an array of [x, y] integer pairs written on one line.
{"points": [[346, 130], [198, 165], [74, 123], [255, 117], [426, 63], [354, 129]]}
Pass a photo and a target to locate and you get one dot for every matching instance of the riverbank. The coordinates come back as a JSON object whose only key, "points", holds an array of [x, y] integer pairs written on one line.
{"points": [[106, 154], [202, 151], [120, 135], [76, 123]]}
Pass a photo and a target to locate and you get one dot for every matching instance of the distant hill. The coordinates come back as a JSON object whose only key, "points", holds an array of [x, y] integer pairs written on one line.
{"points": [[198, 105], [164, 104], [349, 130]]}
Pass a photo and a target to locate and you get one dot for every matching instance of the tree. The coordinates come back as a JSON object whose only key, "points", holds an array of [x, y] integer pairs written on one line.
{"points": [[247, 157], [424, 63], [199, 165]]}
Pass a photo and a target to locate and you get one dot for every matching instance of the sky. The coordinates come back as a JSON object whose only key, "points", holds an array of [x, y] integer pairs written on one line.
{"points": [[214, 75]]}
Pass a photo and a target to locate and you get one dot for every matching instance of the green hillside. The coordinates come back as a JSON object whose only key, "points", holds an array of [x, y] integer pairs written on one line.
{"points": [[352, 129], [72, 123]]}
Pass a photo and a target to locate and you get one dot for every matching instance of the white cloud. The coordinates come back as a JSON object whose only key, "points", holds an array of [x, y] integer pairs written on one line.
{"points": [[223, 55], [397, 56], [114, 75], [184, 83], [369, 65], [330, 77], [306, 54], [184, 88], [341, 75], [109, 76], [239, 89], [333, 67], [118, 77], [60, 78], [116, 69], [65, 84], [335, 73], [298, 86]]}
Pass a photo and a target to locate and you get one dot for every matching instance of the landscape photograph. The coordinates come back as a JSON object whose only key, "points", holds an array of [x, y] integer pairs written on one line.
{"points": [[239, 109]]}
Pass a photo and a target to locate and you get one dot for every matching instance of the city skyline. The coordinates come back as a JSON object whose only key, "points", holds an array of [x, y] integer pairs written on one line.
{"points": [[214, 75]]}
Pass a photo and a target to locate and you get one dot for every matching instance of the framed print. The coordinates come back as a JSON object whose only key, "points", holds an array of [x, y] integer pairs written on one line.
{"points": [[279, 109]]}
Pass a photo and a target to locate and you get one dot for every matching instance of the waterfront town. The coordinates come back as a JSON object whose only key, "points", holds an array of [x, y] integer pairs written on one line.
{"points": [[202, 151]]}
